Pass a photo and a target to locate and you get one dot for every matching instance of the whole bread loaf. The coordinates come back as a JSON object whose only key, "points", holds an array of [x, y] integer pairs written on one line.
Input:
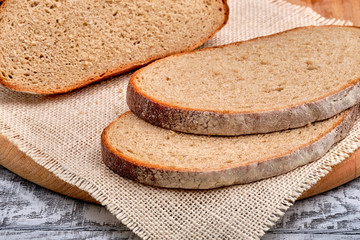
{"points": [[267, 84], [152, 155], [52, 46]]}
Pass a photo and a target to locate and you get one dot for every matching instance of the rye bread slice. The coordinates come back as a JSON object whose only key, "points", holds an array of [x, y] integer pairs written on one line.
{"points": [[262, 85], [54, 46], [155, 156]]}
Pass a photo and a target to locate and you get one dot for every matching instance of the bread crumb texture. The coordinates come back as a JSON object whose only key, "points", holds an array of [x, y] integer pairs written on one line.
{"points": [[286, 69], [49, 45], [148, 144]]}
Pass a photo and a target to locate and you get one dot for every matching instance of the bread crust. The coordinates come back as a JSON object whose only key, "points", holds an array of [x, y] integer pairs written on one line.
{"points": [[112, 72], [155, 175], [227, 123]]}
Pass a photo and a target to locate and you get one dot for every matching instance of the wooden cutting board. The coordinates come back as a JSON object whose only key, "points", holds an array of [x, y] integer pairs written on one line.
{"points": [[340, 9], [16, 161]]}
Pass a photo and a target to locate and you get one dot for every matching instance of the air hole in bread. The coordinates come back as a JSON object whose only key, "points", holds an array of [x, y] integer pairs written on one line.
{"points": [[34, 4]]}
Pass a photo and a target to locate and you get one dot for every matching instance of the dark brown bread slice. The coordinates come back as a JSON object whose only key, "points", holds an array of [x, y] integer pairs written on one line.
{"points": [[263, 85], [155, 156], [54, 46]]}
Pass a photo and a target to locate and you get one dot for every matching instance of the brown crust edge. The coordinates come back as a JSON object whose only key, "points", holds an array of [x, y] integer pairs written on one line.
{"points": [[212, 122], [116, 71], [196, 179]]}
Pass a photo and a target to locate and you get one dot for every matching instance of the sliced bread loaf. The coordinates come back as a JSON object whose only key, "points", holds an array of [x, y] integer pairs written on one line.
{"points": [[52, 46], [152, 155], [266, 84]]}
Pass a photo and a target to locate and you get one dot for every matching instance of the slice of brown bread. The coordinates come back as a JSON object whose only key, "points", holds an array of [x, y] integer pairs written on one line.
{"points": [[266, 84], [54, 46], [152, 155]]}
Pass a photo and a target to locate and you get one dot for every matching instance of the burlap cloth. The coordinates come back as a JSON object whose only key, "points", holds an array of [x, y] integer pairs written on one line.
{"points": [[62, 133]]}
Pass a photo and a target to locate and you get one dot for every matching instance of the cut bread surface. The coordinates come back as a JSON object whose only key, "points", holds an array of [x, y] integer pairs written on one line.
{"points": [[54, 46], [266, 84], [152, 155]]}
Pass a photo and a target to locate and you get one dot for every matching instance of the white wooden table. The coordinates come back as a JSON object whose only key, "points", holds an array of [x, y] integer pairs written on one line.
{"points": [[28, 211]]}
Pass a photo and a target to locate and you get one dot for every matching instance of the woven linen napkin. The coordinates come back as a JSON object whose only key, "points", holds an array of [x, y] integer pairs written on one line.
{"points": [[62, 133]]}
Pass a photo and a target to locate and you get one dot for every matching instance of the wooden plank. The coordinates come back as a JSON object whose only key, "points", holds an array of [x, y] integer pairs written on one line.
{"points": [[311, 236], [108, 235], [68, 234], [334, 212], [29, 211], [341, 9]]}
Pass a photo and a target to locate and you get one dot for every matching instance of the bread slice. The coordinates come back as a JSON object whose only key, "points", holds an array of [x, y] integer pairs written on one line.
{"points": [[155, 156], [54, 46], [266, 84]]}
